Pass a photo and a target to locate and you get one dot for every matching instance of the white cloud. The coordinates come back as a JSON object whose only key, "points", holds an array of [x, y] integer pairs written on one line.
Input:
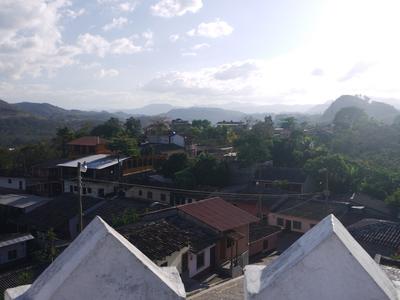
{"points": [[214, 29], [173, 8], [98, 45], [127, 6], [30, 38], [107, 73], [189, 54], [93, 44], [200, 46], [174, 37], [124, 46], [73, 14], [116, 23]]}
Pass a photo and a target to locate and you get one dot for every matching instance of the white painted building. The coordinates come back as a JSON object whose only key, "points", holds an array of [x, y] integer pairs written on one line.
{"points": [[15, 183], [102, 264], [13, 247], [89, 188], [148, 193], [325, 263]]}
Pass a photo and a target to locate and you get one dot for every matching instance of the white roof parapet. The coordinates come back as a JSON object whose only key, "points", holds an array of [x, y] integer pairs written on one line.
{"points": [[101, 264], [325, 263]]}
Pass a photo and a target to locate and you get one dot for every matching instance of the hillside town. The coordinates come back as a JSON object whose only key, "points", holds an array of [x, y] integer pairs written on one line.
{"points": [[164, 199], [199, 149]]}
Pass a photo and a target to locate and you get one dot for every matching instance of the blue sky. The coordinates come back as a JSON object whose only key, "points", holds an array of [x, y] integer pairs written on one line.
{"points": [[116, 54]]}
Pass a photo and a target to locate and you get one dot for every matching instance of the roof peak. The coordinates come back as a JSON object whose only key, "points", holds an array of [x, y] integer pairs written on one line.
{"points": [[326, 257], [126, 273]]}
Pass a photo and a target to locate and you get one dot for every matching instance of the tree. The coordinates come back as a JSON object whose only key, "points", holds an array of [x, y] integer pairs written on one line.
{"points": [[289, 123], [123, 145], [350, 117], [63, 136], [185, 179], [252, 148], [201, 124], [159, 127], [341, 172], [175, 163], [109, 129], [133, 127], [208, 171], [394, 198], [264, 129]]}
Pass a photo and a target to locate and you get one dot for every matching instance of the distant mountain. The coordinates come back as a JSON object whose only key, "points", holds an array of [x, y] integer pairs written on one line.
{"points": [[151, 109], [319, 109], [214, 115], [250, 108], [27, 122], [378, 110]]}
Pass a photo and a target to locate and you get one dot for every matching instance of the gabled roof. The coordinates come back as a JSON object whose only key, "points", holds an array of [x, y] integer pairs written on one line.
{"points": [[378, 232], [218, 214], [102, 264], [160, 238], [88, 141], [325, 263]]}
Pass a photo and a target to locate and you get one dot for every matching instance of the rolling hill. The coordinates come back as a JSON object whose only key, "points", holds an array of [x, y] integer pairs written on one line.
{"points": [[378, 110]]}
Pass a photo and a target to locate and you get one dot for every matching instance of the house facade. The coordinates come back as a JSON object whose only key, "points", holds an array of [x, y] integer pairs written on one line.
{"points": [[13, 248]]}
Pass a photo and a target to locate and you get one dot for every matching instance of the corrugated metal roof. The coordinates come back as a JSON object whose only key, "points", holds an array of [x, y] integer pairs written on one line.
{"points": [[98, 161], [12, 239], [22, 201], [218, 214]]}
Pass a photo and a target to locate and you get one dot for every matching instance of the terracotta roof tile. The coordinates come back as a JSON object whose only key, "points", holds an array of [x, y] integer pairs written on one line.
{"points": [[218, 213]]}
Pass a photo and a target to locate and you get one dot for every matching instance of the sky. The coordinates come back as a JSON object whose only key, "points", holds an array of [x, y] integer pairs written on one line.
{"points": [[123, 54]]}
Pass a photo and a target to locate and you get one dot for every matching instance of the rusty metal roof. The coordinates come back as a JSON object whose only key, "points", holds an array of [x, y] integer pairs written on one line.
{"points": [[88, 141], [218, 213]]}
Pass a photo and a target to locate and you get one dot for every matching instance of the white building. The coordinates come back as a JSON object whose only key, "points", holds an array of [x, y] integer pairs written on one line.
{"points": [[102, 264], [13, 247], [14, 183], [325, 263]]}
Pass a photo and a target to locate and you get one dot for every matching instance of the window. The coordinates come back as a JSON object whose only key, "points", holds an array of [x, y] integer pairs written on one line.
{"points": [[149, 195], [12, 254], [84, 191], [163, 197], [229, 243], [200, 260], [75, 188], [89, 190], [71, 189], [296, 225], [279, 221], [140, 192], [265, 244], [20, 185], [100, 192], [9, 181]]}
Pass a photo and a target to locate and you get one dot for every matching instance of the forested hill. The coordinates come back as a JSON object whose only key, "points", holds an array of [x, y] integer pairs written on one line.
{"points": [[30, 122], [378, 110]]}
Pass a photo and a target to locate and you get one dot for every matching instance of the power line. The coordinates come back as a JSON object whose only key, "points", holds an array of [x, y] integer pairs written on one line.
{"points": [[199, 192]]}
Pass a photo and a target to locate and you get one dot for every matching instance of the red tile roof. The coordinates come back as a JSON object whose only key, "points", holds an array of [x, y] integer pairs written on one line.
{"points": [[88, 141], [218, 213]]}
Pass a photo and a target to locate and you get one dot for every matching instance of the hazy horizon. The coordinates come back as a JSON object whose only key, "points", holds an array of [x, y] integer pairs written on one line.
{"points": [[125, 54]]}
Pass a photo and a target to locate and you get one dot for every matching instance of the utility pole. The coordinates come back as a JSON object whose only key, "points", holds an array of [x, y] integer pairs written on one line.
{"points": [[81, 168]]}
